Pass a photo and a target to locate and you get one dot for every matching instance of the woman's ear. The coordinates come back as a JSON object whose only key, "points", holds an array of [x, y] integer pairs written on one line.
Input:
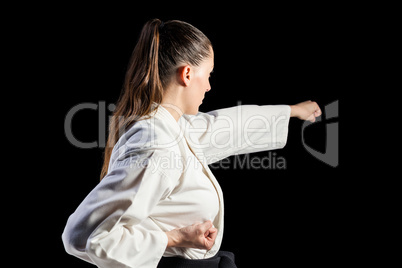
{"points": [[184, 75]]}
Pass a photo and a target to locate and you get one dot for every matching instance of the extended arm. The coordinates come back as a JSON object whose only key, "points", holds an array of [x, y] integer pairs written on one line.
{"points": [[243, 129]]}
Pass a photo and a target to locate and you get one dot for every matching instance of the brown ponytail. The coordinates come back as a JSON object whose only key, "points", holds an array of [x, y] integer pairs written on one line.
{"points": [[160, 50]]}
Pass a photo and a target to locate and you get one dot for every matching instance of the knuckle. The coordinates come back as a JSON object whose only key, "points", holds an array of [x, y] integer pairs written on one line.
{"points": [[198, 232]]}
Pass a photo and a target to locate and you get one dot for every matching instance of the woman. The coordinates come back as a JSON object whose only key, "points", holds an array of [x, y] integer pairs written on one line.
{"points": [[158, 204]]}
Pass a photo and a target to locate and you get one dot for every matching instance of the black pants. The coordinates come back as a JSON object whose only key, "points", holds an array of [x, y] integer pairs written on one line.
{"points": [[223, 259]]}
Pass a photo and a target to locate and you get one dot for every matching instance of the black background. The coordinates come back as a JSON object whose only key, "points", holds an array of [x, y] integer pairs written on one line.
{"points": [[263, 55]]}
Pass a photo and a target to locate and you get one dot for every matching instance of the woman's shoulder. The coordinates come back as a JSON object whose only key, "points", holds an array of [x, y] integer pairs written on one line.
{"points": [[147, 141], [166, 163], [151, 132]]}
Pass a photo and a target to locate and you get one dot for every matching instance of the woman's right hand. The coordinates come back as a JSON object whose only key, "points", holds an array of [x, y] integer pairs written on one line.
{"points": [[200, 236], [307, 110]]}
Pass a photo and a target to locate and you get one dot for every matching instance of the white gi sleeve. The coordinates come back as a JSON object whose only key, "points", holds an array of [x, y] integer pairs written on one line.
{"points": [[237, 130], [106, 227]]}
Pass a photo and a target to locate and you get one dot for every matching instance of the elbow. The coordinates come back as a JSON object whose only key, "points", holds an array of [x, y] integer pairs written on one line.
{"points": [[75, 246], [72, 244], [74, 240], [78, 243], [69, 245]]}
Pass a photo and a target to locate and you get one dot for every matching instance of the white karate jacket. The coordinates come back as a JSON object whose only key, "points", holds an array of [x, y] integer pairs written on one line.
{"points": [[159, 179]]}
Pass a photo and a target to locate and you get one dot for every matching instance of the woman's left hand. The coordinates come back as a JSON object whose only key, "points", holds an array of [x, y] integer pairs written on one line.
{"points": [[201, 235]]}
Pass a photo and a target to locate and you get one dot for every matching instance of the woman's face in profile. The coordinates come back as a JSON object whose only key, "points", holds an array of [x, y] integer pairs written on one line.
{"points": [[195, 93]]}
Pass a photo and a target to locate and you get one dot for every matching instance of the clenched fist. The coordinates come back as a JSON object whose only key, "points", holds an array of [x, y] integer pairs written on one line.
{"points": [[307, 110], [200, 236]]}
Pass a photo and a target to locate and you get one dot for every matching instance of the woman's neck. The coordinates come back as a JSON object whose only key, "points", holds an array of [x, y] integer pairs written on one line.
{"points": [[171, 101], [174, 110]]}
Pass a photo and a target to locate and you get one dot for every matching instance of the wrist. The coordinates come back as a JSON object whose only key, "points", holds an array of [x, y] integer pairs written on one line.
{"points": [[293, 110], [174, 238]]}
